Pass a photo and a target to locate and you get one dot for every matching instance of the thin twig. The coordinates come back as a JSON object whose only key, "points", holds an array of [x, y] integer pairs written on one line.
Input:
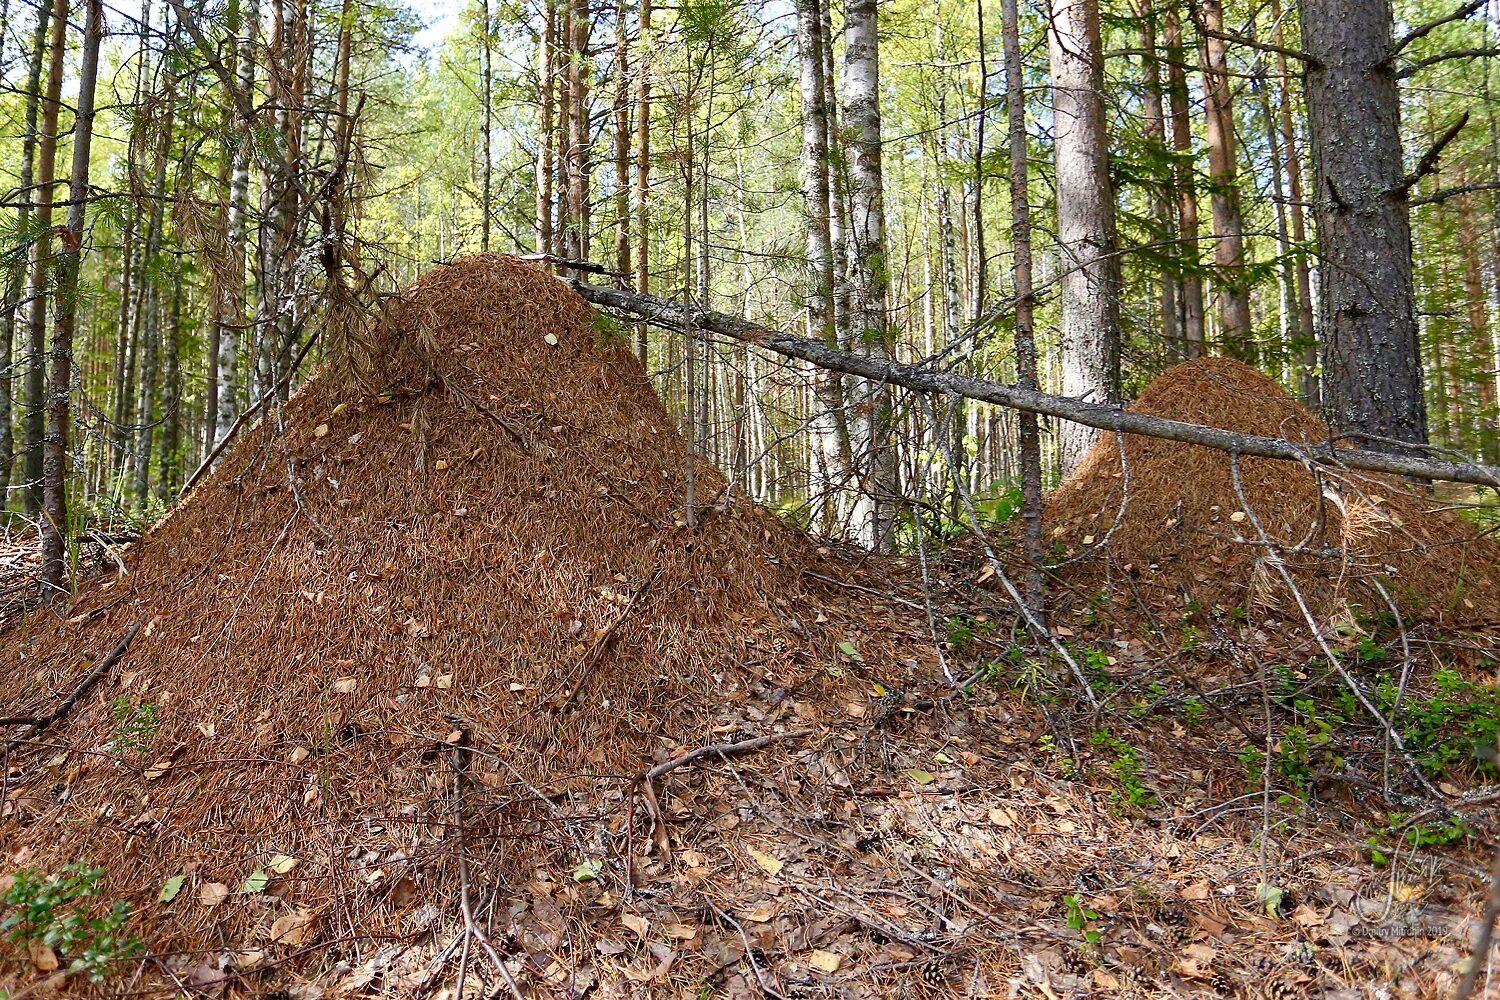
{"points": [[89, 680]]}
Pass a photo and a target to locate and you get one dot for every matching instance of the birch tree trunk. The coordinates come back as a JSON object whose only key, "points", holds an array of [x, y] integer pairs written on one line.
{"points": [[1372, 366], [643, 163], [546, 43], [876, 502], [54, 523], [228, 408], [1085, 218]]}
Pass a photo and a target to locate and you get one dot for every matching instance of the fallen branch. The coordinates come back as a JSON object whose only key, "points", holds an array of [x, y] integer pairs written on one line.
{"points": [[721, 750], [40, 723], [601, 643], [669, 315]]}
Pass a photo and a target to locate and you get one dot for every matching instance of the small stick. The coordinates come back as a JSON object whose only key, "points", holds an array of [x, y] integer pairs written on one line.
{"points": [[1481, 956], [89, 680], [721, 750], [760, 975], [603, 640]]}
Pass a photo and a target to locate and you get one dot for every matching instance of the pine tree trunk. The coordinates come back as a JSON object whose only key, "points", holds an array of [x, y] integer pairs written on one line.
{"points": [[1231, 292], [1372, 367], [486, 140], [41, 263], [1192, 309], [1090, 282], [877, 500], [54, 523], [576, 235]]}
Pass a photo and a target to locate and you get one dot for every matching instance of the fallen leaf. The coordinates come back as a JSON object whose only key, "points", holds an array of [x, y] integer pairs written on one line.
{"points": [[280, 864], [320, 431], [257, 881], [1197, 891], [920, 776], [551, 339], [588, 871], [636, 923], [158, 769], [761, 912], [171, 887], [213, 893], [43, 958], [772, 865], [292, 928], [345, 685], [825, 961]]}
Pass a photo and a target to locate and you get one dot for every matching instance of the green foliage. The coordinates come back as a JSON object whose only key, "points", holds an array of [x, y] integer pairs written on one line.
{"points": [[135, 725], [1456, 725], [1079, 917], [61, 911], [1127, 768]]}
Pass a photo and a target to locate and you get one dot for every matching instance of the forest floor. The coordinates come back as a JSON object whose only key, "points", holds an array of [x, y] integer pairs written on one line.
{"points": [[437, 689]]}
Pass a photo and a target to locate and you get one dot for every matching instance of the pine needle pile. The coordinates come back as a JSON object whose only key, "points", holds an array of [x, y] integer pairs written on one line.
{"points": [[483, 572], [1187, 529]]}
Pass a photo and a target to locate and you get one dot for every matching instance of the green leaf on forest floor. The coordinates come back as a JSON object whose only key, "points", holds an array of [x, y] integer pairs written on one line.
{"points": [[920, 776], [171, 887]]}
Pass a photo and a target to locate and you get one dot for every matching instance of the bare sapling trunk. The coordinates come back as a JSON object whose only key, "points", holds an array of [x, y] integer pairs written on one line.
{"points": [[54, 523]]}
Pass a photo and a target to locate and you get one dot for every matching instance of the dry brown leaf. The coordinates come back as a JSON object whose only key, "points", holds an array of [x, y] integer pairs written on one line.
{"points": [[772, 865], [761, 912], [213, 893], [636, 923], [43, 958], [825, 961], [291, 929]]}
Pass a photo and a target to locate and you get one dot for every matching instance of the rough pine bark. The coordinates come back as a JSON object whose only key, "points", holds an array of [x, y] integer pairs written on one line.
{"points": [[546, 43], [1086, 232], [643, 163], [1372, 366], [1305, 328], [875, 504]]}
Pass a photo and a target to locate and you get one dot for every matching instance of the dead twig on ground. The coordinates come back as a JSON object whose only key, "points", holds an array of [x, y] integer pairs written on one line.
{"points": [[37, 725]]}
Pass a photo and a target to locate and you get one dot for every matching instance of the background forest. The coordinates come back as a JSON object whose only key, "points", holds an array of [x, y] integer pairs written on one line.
{"points": [[243, 181]]}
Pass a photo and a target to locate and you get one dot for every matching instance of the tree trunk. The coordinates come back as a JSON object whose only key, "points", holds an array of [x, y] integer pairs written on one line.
{"points": [[643, 163], [1090, 282], [1026, 356], [875, 505], [1372, 367], [1191, 299], [1305, 337], [487, 96], [545, 58], [831, 465], [15, 281], [622, 138], [228, 409], [46, 174], [1231, 293], [1161, 198], [54, 523], [576, 235]]}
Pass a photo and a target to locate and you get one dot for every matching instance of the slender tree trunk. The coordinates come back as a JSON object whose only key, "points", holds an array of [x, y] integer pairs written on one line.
{"points": [[623, 133], [981, 262], [1305, 332], [239, 199], [1193, 334], [877, 501], [576, 235], [1161, 197], [1026, 355], [1231, 291], [54, 522], [643, 163], [148, 310], [545, 58], [1479, 327], [1085, 218], [1372, 366], [486, 140], [41, 263], [830, 454], [15, 280], [838, 190]]}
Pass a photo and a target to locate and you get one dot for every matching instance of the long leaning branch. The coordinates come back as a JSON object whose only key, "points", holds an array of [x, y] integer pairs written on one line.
{"points": [[670, 315]]}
